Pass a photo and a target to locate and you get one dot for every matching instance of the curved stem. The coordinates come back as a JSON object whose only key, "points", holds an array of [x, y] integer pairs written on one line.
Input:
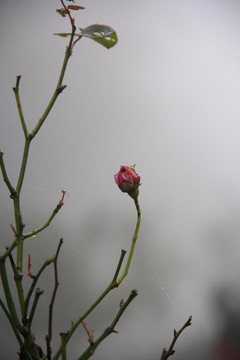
{"points": [[125, 272], [41, 228], [5, 176]]}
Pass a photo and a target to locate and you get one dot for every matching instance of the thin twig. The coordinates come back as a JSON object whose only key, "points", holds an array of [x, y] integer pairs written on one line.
{"points": [[69, 14], [34, 283], [167, 353], [50, 313], [38, 293], [47, 223], [16, 93], [111, 329], [5, 177]]}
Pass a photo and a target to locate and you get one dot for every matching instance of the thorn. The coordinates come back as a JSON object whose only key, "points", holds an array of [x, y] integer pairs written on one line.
{"points": [[30, 274]]}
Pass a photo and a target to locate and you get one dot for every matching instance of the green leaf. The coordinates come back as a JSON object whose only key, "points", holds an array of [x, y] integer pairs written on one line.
{"points": [[103, 34], [63, 34]]}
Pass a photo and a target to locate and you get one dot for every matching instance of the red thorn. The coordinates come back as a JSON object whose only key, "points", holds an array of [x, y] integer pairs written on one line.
{"points": [[30, 274]]}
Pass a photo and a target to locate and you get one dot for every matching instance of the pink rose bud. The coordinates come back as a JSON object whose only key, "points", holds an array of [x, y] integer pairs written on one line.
{"points": [[128, 180]]}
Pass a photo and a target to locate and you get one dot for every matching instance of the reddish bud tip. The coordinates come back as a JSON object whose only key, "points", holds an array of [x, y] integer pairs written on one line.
{"points": [[128, 180]]}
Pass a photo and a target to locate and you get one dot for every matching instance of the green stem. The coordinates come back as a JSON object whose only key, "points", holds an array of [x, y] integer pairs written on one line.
{"points": [[64, 346], [34, 283], [5, 176], [90, 350], [9, 250], [18, 282], [125, 272], [19, 106], [111, 286], [8, 296], [19, 229], [11, 322], [41, 228], [24, 164], [29, 137], [59, 87]]}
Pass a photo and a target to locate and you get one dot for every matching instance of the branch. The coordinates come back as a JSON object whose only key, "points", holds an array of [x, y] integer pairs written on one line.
{"points": [[18, 281], [59, 87], [11, 322], [34, 283], [16, 92], [5, 177], [50, 314], [167, 353], [111, 329], [111, 286], [38, 293], [8, 296], [55, 211], [23, 164]]}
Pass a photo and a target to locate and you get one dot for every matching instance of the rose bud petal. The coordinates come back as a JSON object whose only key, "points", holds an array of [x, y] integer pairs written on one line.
{"points": [[128, 180]]}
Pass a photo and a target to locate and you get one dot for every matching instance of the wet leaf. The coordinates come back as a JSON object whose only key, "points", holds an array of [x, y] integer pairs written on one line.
{"points": [[104, 35]]}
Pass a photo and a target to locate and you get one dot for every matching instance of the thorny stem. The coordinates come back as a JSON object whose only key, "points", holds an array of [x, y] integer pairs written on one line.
{"points": [[134, 239], [28, 139], [111, 286], [90, 350], [167, 353]]}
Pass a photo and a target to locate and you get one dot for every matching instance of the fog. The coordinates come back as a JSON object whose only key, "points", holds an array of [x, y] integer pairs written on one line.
{"points": [[165, 98]]}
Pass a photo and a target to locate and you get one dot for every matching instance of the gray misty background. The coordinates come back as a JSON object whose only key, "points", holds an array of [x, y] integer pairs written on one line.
{"points": [[166, 98]]}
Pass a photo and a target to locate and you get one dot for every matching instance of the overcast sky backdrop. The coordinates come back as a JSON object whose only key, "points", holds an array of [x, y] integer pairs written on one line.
{"points": [[166, 97]]}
